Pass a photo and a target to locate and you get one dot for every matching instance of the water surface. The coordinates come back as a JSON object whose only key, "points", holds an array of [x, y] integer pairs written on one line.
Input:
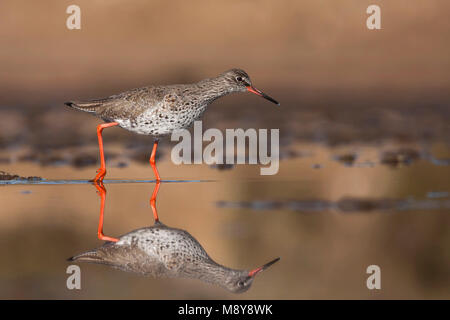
{"points": [[329, 213]]}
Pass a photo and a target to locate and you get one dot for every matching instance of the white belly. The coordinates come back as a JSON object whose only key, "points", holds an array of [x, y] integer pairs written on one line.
{"points": [[156, 123]]}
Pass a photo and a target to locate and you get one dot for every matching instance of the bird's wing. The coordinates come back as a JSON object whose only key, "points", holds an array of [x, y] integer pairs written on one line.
{"points": [[123, 257], [87, 106], [172, 100], [189, 252], [129, 104]]}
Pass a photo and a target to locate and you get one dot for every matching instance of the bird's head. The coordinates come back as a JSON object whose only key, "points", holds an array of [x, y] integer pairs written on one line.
{"points": [[239, 80], [241, 281]]}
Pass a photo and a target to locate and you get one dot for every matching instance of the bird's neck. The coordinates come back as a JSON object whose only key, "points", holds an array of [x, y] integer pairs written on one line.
{"points": [[213, 88], [209, 271]]}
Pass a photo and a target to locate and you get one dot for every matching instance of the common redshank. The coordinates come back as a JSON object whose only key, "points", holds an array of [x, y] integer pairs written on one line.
{"points": [[161, 251], [159, 110]]}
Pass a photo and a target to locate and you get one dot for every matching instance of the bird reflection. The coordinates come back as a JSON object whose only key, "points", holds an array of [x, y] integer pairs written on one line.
{"points": [[162, 251]]}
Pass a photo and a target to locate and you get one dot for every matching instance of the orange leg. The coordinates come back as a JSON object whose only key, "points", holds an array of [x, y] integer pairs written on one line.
{"points": [[101, 172], [153, 163], [101, 190], [153, 201]]}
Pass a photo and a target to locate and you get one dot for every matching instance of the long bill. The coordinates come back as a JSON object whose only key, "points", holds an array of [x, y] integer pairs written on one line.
{"points": [[261, 94], [254, 272]]}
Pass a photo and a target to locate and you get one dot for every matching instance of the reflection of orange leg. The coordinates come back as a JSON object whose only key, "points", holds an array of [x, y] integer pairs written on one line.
{"points": [[102, 192], [153, 201], [152, 161], [101, 172]]}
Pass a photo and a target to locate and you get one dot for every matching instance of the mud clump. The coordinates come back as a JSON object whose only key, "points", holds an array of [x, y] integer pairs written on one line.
{"points": [[8, 176], [399, 157], [143, 155], [366, 205], [52, 160], [83, 160], [346, 159], [222, 166]]}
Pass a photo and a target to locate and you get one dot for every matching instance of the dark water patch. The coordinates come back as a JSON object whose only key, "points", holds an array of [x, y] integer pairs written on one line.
{"points": [[142, 155], [42, 181], [222, 166], [364, 158], [5, 177], [366, 205], [52, 160], [122, 164], [437, 194], [44, 159], [256, 205], [310, 205], [436, 161], [344, 205], [403, 156], [56, 159], [347, 159], [83, 160], [292, 154], [29, 157]]}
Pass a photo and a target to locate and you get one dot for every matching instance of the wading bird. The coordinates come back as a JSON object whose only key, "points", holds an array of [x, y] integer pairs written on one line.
{"points": [[159, 110], [162, 251]]}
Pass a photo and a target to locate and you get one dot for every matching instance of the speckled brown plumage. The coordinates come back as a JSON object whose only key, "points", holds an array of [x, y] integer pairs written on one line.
{"points": [[159, 110], [161, 251]]}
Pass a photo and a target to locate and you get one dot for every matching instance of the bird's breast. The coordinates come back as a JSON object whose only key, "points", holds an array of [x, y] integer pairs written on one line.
{"points": [[162, 121]]}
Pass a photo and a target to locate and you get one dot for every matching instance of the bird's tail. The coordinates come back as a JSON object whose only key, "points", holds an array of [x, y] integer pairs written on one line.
{"points": [[88, 106]]}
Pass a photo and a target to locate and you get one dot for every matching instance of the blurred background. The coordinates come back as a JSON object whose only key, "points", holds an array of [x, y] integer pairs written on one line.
{"points": [[364, 144]]}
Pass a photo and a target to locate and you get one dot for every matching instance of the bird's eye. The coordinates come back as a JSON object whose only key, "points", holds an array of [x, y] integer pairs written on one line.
{"points": [[239, 79], [241, 283]]}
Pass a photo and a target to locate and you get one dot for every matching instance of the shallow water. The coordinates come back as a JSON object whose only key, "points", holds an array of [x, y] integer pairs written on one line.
{"points": [[329, 213]]}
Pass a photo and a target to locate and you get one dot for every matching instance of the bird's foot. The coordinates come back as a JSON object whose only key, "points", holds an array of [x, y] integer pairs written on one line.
{"points": [[99, 177], [101, 236]]}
